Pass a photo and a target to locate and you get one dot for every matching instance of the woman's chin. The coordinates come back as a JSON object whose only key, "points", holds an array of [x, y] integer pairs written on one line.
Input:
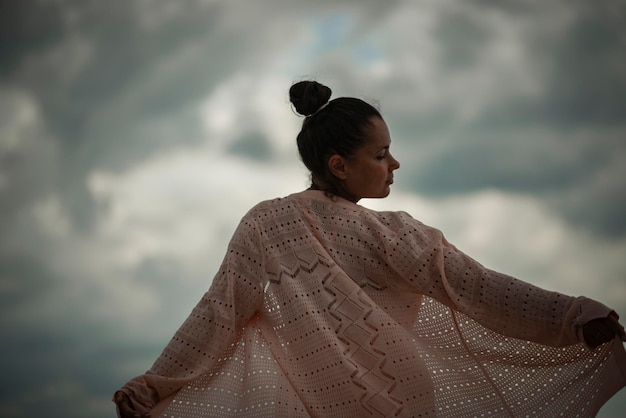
{"points": [[382, 194]]}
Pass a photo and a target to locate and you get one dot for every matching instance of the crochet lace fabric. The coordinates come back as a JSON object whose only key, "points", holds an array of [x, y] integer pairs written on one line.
{"points": [[324, 308]]}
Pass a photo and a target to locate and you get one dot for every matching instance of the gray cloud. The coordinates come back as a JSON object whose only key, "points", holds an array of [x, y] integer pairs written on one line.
{"points": [[588, 82], [555, 144], [252, 145], [576, 171]]}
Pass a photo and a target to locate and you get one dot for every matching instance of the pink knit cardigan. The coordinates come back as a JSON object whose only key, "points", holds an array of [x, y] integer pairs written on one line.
{"points": [[323, 308]]}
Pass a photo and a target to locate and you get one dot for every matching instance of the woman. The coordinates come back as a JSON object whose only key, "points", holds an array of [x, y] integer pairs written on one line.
{"points": [[324, 308]]}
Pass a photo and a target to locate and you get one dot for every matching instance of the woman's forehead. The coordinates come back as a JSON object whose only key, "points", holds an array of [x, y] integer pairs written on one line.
{"points": [[377, 134]]}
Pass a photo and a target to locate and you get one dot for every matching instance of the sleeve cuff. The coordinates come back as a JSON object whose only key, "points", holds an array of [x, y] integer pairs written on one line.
{"points": [[586, 310], [142, 398]]}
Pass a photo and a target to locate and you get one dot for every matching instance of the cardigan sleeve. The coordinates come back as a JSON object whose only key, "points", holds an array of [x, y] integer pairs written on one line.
{"points": [[433, 267], [233, 298]]}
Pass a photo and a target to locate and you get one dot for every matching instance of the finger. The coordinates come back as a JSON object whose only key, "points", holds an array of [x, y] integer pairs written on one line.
{"points": [[131, 414], [125, 410], [135, 414]]}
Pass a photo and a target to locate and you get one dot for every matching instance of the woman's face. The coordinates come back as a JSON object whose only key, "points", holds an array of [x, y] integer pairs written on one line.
{"points": [[369, 173]]}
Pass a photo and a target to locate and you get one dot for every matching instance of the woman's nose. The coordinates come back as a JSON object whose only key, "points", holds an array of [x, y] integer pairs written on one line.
{"points": [[395, 164]]}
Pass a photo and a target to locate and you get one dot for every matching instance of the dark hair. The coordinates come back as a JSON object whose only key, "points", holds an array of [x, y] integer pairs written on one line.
{"points": [[330, 127]]}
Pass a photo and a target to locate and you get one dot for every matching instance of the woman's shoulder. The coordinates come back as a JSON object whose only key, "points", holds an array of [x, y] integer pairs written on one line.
{"points": [[396, 220], [266, 208], [299, 199], [317, 204]]}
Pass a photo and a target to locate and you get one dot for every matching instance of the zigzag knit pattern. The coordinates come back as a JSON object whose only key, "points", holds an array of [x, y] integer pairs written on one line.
{"points": [[323, 308]]}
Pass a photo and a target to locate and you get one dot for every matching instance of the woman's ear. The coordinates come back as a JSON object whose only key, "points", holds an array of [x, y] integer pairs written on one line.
{"points": [[337, 166]]}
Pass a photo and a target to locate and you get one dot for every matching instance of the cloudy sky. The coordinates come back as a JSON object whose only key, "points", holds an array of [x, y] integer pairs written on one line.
{"points": [[135, 134]]}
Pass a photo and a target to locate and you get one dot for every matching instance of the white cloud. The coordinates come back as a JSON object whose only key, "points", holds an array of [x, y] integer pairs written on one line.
{"points": [[50, 219], [29, 157], [180, 206], [247, 102], [512, 59], [19, 117]]}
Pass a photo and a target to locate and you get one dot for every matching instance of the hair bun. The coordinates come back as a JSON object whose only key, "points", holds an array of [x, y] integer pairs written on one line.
{"points": [[309, 96]]}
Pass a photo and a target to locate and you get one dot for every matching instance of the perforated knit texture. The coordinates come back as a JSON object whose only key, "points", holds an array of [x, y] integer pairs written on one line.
{"points": [[325, 308]]}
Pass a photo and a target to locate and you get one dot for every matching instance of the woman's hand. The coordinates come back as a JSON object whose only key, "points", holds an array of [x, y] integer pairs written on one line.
{"points": [[601, 330], [125, 407]]}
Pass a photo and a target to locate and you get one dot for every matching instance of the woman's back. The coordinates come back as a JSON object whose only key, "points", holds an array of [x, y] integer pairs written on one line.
{"points": [[338, 328]]}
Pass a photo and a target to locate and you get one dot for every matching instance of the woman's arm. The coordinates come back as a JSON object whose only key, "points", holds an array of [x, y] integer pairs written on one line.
{"points": [[235, 295], [435, 268]]}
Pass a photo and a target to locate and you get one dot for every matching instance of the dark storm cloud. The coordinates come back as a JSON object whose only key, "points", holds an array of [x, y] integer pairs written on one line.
{"points": [[64, 364], [462, 38], [71, 373], [554, 145], [588, 84], [34, 279], [252, 145], [54, 355], [121, 56], [26, 28], [119, 81], [561, 169]]}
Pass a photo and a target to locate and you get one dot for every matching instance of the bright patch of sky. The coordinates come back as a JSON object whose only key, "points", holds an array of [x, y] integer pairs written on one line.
{"points": [[332, 31]]}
